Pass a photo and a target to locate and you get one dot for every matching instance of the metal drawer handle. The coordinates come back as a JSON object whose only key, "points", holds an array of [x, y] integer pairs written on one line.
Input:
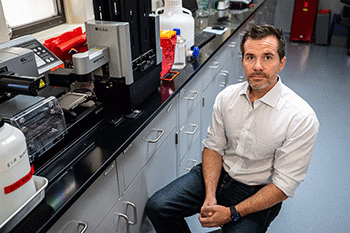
{"points": [[225, 74], [232, 44], [84, 224], [154, 140], [215, 65], [169, 108], [135, 212], [193, 161], [126, 221], [195, 129], [196, 93], [109, 170]]}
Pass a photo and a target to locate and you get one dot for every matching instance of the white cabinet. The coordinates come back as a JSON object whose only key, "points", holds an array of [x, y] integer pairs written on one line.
{"points": [[192, 157], [189, 97], [128, 214], [146, 166], [234, 65], [135, 157], [189, 121], [90, 209], [219, 82], [188, 135]]}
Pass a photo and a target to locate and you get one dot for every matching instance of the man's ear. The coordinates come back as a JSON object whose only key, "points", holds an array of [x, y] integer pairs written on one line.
{"points": [[282, 64]]}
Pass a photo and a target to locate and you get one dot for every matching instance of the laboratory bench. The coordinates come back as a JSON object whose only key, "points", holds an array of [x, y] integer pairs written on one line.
{"points": [[101, 182]]}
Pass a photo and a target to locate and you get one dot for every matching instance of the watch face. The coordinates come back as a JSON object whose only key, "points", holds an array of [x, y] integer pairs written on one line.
{"points": [[235, 217]]}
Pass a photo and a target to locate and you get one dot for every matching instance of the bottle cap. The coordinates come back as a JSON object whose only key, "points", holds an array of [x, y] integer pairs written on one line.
{"points": [[195, 52], [177, 30]]}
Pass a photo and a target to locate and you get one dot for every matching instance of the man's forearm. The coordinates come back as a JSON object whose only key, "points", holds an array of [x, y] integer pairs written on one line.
{"points": [[211, 166], [263, 199]]}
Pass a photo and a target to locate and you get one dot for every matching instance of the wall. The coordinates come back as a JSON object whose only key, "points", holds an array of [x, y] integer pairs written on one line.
{"points": [[284, 15], [78, 11], [4, 36]]}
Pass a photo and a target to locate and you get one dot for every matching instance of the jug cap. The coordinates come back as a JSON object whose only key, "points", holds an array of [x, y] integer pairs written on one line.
{"points": [[177, 30]]}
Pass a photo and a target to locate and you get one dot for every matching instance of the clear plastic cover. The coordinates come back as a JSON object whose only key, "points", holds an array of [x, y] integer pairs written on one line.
{"points": [[43, 125]]}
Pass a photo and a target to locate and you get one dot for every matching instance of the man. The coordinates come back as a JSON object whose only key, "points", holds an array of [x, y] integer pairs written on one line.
{"points": [[257, 150]]}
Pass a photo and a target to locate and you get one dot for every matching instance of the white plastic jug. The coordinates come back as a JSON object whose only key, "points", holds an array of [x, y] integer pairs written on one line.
{"points": [[16, 182], [175, 16]]}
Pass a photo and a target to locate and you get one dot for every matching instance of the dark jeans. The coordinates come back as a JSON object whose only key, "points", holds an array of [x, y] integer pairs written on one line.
{"points": [[184, 197]]}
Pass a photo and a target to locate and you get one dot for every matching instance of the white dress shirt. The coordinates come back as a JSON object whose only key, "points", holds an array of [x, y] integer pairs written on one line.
{"points": [[270, 142]]}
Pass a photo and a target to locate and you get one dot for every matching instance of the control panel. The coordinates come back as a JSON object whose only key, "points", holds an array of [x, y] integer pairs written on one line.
{"points": [[45, 59]]}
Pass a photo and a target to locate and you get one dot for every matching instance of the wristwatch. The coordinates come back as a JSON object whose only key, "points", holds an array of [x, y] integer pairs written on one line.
{"points": [[235, 216]]}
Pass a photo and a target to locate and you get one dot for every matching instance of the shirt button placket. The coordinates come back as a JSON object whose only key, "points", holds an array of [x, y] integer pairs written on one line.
{"points": [[245, 132]]}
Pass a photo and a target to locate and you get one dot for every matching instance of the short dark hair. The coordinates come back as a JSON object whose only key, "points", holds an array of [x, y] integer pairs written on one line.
{"points": [[257, 32]]}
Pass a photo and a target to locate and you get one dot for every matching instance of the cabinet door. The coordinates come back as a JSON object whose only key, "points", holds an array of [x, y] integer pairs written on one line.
{"points": [[215, 64], [189, 98], [207, 110], [145, 145], [161, 169], [128, 214], [188, 131], [219, 82], [234, 64], [192, 157], [90, 209]]}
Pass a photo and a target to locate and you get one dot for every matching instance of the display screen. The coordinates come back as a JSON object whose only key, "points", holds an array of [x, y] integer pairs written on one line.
{"points": [[31, 46]]}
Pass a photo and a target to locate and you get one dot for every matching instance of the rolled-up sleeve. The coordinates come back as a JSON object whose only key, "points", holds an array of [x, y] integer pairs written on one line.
{"points": [[216, 138], [292, 159]]}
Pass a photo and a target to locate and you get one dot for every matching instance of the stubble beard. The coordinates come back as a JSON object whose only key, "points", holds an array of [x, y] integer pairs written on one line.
{"points": [[258, 87]]}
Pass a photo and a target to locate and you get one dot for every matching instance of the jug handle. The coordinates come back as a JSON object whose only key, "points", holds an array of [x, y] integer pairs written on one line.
{"points": [[183, 9], [187, 11], [159, 9]]}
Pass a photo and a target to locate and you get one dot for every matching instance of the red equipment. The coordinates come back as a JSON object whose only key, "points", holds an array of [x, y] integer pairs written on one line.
{"points": [[62, 45], [303, 22]]}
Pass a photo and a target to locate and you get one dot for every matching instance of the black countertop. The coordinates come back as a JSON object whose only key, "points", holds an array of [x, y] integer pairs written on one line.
{"points": [[79, 165]]}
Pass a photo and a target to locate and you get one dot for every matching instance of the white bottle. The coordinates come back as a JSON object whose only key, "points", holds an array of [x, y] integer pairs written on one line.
{"points": [[180, 51], [174, 15], [16, 182]]}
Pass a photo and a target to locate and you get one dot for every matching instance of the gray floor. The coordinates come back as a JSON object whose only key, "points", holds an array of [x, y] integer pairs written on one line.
{"points": [[321, 75]]}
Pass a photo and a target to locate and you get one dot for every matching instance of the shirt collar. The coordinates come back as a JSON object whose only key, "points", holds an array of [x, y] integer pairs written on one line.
{"points": [[270, 98]]}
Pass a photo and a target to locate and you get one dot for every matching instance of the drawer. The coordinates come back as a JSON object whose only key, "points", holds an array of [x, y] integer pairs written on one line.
{"points": [[90, 209], [191, 158], [215, 64], [127, 214], [190, 96], [135, 157], [189, 130], [159, 171]]}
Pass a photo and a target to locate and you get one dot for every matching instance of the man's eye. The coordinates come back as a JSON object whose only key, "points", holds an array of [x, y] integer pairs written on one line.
{"points": [[268, 57]]}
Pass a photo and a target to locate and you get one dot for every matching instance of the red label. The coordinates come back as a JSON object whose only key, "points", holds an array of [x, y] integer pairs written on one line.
{"points": [[20, 182]]}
